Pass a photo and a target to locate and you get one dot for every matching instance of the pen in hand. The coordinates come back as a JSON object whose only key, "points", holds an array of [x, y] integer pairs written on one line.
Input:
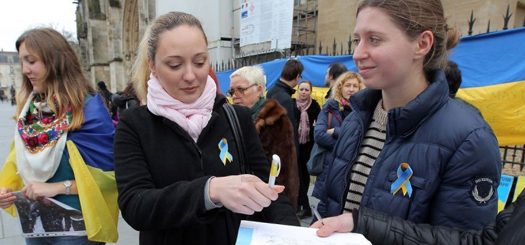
{"points": [[275, 169], [317, 215]]}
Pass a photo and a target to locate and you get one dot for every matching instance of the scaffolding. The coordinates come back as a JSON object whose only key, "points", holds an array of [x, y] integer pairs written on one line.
{"points": [[304, 26]]}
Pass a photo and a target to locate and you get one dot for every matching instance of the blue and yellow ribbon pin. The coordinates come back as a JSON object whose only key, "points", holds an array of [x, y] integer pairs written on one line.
{"points": [[225, 156], [404, 173]]}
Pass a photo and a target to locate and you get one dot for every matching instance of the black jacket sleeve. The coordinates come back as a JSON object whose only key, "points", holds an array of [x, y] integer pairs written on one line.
{"points": [[380, 228], [281, 210]]}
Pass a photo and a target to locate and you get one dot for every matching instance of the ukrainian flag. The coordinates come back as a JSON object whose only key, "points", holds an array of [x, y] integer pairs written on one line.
{"points": [[493, 71], [492, 67], [90, 151]]}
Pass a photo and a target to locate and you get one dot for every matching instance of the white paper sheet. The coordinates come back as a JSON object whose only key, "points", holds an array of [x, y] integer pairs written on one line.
{"points": [[257, 233]]}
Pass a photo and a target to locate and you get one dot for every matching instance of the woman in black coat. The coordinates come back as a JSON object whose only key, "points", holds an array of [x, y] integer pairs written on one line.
{"points": [[177, 162], [308, 109]]}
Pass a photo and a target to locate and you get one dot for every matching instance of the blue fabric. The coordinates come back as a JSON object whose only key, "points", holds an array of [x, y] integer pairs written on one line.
{"points": [[315, 69], [95, 139], [445, 141], [484, 60], [492, 58]]}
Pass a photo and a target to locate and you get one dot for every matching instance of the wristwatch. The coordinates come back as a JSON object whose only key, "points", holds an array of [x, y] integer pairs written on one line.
{"points": [[68, 185]]}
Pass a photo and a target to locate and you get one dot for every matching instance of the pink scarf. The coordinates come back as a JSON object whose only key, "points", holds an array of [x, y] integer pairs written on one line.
{"points": [[191, 117], [304, 123]]}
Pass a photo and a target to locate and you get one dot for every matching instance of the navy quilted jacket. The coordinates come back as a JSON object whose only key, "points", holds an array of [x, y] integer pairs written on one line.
{"points": [[452, 151]]}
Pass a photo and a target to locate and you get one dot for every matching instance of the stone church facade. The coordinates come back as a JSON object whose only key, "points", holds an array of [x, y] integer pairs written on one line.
{"points": [[109, 32]]}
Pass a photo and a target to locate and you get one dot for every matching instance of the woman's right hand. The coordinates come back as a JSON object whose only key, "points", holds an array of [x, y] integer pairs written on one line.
{"points": [[244, 194], [6, 198]]}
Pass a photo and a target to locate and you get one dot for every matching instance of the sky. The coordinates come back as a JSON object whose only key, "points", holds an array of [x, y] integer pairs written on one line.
{"points": [[20, 15]]}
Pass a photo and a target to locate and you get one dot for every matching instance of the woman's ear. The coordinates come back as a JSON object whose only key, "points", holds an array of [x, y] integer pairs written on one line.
{"points": [[424, 43]]}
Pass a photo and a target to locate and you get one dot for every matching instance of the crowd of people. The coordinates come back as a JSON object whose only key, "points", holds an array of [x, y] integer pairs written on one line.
{"points": [[404, 162]]}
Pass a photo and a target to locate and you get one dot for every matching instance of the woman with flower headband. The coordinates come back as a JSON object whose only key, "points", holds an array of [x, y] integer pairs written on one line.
{"points": [[59, 119]]}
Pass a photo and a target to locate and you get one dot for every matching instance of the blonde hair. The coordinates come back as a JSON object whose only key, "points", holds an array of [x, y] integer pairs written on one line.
{"points": [[337, 94], [148, 47], [252, 74], [66, 85]]}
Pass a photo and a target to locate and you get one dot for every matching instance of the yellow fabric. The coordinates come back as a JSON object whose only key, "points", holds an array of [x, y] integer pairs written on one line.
{"points": [[97, 191], [98, 198], [318, 94], [520, 184], [503, 106], [9, 177]]}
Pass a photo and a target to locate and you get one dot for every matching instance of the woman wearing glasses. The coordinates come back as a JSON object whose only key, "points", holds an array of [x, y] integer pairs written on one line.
{"points": [[247, 88]]}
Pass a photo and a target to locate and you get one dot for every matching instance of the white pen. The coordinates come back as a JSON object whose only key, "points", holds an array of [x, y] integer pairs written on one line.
{"points": [[317, 215], [275, 169]]}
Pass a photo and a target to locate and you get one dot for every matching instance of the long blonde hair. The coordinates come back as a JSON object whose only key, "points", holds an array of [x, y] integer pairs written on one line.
{"points": [[66, 85], [148, 47]]}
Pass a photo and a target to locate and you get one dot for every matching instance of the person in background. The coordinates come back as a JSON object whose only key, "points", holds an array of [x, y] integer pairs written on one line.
{"points": [[453, 75], [329, 122], [63, 140], [379, 228], [332, 73], [176, 158], [247, 88], [12, 92], [398, 153], [308, 109], [106, 95], [126, 99], [283, 89]]}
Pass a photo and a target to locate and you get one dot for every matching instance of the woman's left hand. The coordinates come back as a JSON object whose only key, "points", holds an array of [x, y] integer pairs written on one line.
{"points": [[37, 190], [341, 223]]}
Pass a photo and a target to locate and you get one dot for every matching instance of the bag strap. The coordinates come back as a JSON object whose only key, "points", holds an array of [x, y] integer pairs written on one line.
{"points": [[331, 115], [237, 135]]}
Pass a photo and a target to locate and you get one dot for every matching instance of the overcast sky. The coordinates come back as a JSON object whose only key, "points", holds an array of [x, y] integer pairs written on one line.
{"points": [[20, 15]]}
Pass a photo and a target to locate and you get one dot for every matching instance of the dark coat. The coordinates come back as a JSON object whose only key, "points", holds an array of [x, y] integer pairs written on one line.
{"points": [[313, 112], [276, 134], [452, 151], [508, 229], [123, 102], [281, 92], [161, 174], [323, 139]]}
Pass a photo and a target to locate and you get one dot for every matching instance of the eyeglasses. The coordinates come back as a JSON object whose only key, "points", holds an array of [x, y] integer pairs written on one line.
{"points": [[240, 91]]}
